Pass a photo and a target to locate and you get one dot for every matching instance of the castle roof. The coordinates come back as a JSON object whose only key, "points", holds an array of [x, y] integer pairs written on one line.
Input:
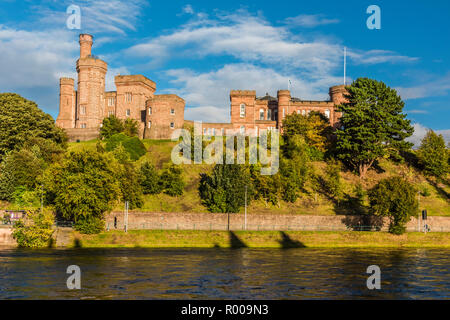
{"points": [[267, 97]]}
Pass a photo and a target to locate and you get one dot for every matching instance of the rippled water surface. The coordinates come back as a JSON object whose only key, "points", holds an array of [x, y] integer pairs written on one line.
{"points": [[225, 273]]}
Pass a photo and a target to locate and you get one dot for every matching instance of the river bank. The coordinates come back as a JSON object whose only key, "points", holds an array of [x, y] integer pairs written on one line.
{"points": [[260, 239]]}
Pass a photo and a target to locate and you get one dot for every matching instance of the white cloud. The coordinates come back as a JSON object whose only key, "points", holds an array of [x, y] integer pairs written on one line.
{"points": [[210, 91], [439, 87], [310, 20], [378, 56], [420, 131], [188, 9]]}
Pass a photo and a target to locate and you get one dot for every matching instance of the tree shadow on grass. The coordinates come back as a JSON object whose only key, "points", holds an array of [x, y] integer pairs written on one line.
{"points": [[235, 242], [439, 189], [77, 243], [287, 243]]}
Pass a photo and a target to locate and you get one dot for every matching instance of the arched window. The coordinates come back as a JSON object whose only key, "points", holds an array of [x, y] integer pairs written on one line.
{"points": [[242, 110], [261, 114], [149, 124], [327, 113], [269, 114], [150, 111], [303, 112]]}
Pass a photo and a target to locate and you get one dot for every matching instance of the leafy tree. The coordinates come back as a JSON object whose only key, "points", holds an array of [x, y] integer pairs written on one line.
{"points": [[83, 184], [395, 198], [224, 190], [433, 155], [314, 128], [128, 177], [171, 181], [133, 145], [35, 231], [149, 179], [21, 120], [89, 225], [373, 125], [19, 169], [111, 126], [333, 181], [131, 127], [267, 187]]}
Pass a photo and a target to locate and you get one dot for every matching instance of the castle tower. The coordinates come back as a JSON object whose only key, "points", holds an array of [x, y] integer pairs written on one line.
{"points": [[91, 86], [337, 97], [67, 103], [243, 112], [284, 104]]}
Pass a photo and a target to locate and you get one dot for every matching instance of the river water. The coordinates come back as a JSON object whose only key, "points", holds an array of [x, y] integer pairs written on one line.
{"points": [[225, 273]]}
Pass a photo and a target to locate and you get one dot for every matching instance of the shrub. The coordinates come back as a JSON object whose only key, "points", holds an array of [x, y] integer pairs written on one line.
{"points": [[149, 179], [111, 126], [35, 231], [132, 145], [224, 190], [333, 182], [171, 181], [395, 198], [90, 225]]}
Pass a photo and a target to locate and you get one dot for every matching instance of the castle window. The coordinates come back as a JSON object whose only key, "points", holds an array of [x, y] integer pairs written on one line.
{"points": [[214, 131], [298, 111], [149, 124], [327, 113], [83, 126], [242, 110], [204, 131], [128, 97], [110, 113], [128, 112], [172, 111], [83, 110], [269, 114], [111, 101], [172, 125], [261, 114], [149, 111], [303, 112], [283, 113]]}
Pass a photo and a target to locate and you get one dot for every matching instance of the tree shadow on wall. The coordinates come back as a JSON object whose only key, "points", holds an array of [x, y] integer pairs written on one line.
{"points": [[235, 242], [287, 243]]}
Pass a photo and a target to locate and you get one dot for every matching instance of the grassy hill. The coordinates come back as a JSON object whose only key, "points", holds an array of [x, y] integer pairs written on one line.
{"points": [[437, 202]]}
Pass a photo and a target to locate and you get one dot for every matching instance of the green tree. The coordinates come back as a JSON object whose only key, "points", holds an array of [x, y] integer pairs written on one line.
{"points": [[373, 125], [433, 154], [131, 127], [171, 181], [224, 190], [20, 168], [21, 120], [35, 231], [111, 126], [266, 187], [128, 177], [333, 181], [83, 184], [133, 145], [149, 179], [395, 198], [314, 128]]}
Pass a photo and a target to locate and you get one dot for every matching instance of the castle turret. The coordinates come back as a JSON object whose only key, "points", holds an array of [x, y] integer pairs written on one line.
{"points": [[337, 94], [86, 41], [91, 86], [284, 103], [67, 103]]}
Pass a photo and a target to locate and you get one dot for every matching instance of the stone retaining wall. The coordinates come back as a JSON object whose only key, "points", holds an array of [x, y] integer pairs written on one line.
{"points": [[218, 221]]}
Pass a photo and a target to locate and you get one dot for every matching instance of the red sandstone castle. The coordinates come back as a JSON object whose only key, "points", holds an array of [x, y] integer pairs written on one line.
{"points": [[82, 111]]}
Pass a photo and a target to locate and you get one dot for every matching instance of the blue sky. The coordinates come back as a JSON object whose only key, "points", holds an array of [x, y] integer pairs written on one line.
{"points": [[201, 50]]}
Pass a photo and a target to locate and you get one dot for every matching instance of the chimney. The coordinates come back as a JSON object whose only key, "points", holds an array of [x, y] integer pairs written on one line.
{"points": [[85, 45]]}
